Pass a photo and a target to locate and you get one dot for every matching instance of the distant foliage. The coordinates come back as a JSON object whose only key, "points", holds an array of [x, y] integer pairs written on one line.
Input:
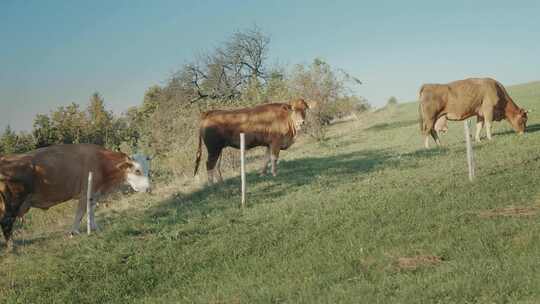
{"points": [[11, 142], [99, 127], [329, 89], [392, 101], [71, 125]]}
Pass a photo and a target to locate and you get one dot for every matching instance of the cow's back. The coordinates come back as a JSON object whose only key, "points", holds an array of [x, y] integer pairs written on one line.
{"points": [[260, 121], [459, 99], [467, 96]]}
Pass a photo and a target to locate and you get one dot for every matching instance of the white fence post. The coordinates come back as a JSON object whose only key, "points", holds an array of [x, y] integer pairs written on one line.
{"points": [[88, 203], [470, 157], [243, 166]]}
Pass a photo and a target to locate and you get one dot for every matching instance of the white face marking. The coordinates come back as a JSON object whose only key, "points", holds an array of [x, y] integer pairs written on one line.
{"points": [[144, 161], [136, 179]]}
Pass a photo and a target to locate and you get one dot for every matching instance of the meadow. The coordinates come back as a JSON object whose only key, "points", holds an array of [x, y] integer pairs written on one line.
{"points": [[366, 216]]}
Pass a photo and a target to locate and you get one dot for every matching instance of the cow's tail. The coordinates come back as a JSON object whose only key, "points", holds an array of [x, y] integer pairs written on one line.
{"points": [[199, 154], [3, 205]]}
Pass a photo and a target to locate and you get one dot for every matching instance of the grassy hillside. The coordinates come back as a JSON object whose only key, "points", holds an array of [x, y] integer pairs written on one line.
{"points": [[367, 216]]}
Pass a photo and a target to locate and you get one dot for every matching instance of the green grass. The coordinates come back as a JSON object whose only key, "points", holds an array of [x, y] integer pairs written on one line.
{"points": [[330, 228]]}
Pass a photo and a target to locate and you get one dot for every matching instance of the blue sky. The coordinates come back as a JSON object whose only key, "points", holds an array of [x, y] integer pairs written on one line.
{"points": [[56, 52]]}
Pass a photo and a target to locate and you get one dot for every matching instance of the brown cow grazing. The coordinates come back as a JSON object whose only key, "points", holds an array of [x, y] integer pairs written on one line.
{"points": [[484, 98], [272, 125], [52, 175]]}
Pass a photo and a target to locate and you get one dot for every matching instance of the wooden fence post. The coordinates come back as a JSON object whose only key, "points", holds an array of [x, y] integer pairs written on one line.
{"points": [[88, 203], [470, 157], [243, 166]]}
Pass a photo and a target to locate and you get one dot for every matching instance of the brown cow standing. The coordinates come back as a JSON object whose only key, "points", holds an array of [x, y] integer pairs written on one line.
{"points": [[271, 125], [484, 98], [52, 175]]}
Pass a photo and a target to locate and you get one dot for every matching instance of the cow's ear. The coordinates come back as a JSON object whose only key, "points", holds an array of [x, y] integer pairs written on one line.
{"points": [[124, 165]]}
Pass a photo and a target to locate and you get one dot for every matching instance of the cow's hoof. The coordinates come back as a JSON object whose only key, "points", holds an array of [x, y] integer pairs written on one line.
{"points": [[73, 233]]}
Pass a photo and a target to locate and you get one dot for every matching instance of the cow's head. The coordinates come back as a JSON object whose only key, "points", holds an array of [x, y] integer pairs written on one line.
{"points": [[145, 162], [12, 193], [135, 175], [299, 108], [519, 121]]}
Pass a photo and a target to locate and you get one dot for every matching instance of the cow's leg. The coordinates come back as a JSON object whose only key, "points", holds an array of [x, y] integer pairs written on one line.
{"points": [[92, 213], [218, 169], [430, 130], [79, 213], [488, 118], [274, 155], [213, 156], [25, 206], [7, 230], [267, 157], [435, 137], [479, 126]]}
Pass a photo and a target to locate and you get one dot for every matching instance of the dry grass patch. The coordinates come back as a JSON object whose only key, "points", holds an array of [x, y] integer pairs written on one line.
{"points": [[509, 211], [411, 263]]}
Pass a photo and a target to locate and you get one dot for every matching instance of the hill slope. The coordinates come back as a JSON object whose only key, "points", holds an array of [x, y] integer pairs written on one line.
{"points": [[365, 215]]}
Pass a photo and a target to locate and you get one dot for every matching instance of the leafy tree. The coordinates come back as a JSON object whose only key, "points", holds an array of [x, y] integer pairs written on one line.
{"points": [[25, 142], [100, 121], [152, 97], [11, 142], [69, 124], [43, 131], [277, 86], [327, 87], [8, 141]]}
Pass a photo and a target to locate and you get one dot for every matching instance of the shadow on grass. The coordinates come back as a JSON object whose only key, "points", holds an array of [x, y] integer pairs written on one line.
{"points": [[328, 171], [393, 125], [530, 129], [20, 243], [427, 153]]}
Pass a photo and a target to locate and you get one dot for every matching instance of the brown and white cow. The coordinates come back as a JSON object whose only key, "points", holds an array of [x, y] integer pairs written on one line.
{"points": [[484, 98], [272, 125], [52, 175]]}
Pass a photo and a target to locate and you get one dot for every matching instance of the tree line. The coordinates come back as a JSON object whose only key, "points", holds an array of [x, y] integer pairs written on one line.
{"points": [[70, 124]]}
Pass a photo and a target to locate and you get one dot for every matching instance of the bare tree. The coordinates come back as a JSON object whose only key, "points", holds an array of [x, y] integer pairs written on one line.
{"points": [[225, 72]]}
